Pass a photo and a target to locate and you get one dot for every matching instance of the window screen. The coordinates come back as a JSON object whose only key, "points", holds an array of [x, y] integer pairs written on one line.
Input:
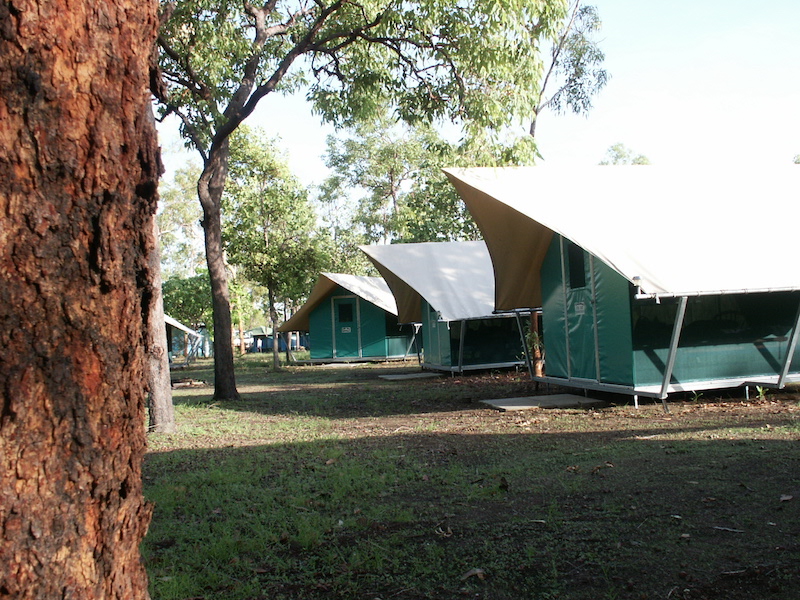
{"points": [[577, 267], [345, 313]]}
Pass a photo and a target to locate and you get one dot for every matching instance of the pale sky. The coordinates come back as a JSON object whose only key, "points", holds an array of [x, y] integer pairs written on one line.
{"points": [[712, 81]]}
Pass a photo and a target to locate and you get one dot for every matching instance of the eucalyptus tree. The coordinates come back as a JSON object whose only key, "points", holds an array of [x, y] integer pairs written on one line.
{"points": [[188, 299], [393, 174], [269, 224], [574, 74], [79, 170], [179, 223], [620, 154], [472, 60], [374, 166]]}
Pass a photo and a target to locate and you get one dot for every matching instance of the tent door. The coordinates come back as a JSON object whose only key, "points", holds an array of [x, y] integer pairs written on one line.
{"points": [[580, 312], [346, 327]]}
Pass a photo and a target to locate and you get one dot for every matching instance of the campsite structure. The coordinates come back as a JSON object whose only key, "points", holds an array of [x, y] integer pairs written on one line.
{"points": [[448, 287], [352, 318], [651, 280], [182, 341]]}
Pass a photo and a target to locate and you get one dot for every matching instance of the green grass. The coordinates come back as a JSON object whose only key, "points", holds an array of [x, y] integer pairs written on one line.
{"points": [[332, 483]]}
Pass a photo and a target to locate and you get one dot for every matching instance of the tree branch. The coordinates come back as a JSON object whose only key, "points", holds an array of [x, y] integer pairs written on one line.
{"points": [[562, 40]]}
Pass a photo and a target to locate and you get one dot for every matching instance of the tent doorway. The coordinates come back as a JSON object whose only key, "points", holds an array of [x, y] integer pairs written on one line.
{"points": [[346, 330], [579, 308]]}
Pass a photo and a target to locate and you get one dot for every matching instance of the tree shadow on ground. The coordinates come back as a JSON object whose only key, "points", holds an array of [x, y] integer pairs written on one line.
{"points": [[659, 510]]}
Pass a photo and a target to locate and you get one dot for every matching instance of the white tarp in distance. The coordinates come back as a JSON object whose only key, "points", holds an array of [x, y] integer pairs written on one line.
{"points": [[455, 278], [371, 289], [671, 231], [178, 325]]}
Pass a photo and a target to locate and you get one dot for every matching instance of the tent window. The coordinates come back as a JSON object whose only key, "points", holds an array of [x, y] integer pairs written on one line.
{"points": [[346, 313], [577, 266]]}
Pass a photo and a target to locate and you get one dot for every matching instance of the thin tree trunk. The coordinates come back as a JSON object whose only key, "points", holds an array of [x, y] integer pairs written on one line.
{"points": [[273, 317], [209, 189], [161, 411], [79, 167], [288, 334]]}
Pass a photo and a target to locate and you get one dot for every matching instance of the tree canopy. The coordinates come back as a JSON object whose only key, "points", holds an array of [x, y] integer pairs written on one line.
{"points": [[476, 61], [269, 223], [181, 236], [619, 154], [392, 175], [574, 74]]}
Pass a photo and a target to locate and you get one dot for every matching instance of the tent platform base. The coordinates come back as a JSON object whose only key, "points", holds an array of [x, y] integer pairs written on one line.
{"points": [[483, 367], [655, 391], [347, 361], [547, 401]]}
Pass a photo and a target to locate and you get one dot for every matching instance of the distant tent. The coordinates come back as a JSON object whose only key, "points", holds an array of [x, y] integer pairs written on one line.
{"points": [[351, 318], [449, 288], [260, 339], [188, 343], [651, 280]]}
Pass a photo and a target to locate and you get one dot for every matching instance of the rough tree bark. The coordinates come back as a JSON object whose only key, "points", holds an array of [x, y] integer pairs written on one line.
{"points": [[78, 186], [161, 412]]}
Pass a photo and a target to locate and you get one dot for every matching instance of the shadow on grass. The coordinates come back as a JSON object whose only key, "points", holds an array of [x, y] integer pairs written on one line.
{"points": [[357, 390], [351, 391], [640, 513]]}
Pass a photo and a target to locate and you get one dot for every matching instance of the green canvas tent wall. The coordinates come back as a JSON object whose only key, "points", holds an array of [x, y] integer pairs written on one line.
{"points": [[651, 280], [448, 287], [352, 318]]}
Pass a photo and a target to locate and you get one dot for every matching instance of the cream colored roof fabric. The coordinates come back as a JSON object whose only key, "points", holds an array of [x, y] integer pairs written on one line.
{"points": [[671, 231], [371, 289], [455, 278]]}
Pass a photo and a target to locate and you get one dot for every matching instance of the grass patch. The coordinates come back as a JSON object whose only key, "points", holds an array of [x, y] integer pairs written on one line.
{"points": [[332, 483]]}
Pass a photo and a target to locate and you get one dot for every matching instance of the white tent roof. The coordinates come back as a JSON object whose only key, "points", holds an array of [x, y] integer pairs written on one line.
{"points": [[672, 232], [371, 289], [178, 325], [455, 278]]}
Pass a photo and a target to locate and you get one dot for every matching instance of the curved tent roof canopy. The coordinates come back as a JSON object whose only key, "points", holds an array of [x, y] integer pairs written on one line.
{"points": [[455, 278], [178, 325], [372, 289], [669, 231]]}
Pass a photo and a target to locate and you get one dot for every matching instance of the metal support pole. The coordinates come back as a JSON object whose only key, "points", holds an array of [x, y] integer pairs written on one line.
{"points": [[790, 350], [673, 350], [524, 345], [419, 355]]}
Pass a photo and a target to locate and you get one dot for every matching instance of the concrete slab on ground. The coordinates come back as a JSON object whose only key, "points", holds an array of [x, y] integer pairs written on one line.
{"points": [[403, 376], [547, 401]]}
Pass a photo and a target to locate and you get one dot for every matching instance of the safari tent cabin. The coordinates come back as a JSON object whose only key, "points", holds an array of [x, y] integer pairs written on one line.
{"points": [[651, 280], [182, 341], [260, 339], [352, 318], [448, 287]]}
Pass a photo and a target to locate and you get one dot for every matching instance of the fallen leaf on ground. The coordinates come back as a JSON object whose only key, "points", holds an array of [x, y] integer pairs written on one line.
{"points": [[479, 573]]}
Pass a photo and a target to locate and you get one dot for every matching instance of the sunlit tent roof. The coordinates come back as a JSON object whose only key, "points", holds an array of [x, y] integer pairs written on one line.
{"points": [[178, 325], [455, 278], [672, 232], [372, 289]]}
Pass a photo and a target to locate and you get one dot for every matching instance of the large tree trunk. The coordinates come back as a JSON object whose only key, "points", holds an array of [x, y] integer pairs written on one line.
{"points": [[209, 190], [161, 412], [78, 178]]}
